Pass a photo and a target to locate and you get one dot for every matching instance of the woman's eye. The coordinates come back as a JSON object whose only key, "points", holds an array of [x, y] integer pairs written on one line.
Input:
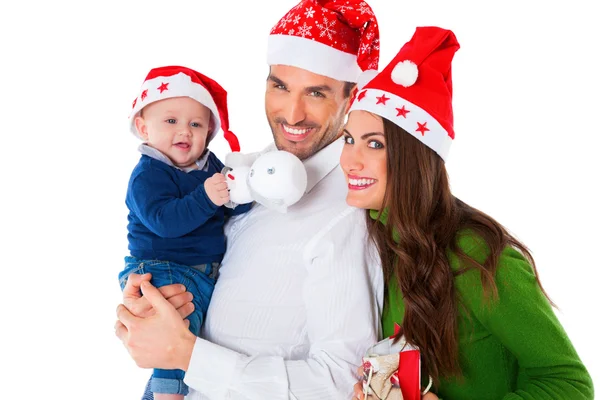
{"points": [[348, 140], [374, 144]]}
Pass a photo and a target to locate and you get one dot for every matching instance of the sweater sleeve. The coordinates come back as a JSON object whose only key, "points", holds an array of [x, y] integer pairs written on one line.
{"points": [[154, 197], [240, 208], [523, 321]]}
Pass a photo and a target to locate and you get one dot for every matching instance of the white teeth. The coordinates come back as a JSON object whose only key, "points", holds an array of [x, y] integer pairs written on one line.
{"points": [[361, 182], [295, 131]]}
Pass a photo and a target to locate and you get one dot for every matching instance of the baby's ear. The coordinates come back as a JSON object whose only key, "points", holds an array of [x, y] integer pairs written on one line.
{"points": [[211, 126], [142, 129]]}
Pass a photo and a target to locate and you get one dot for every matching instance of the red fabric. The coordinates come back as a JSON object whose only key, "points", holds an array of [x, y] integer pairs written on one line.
{"points": [[409, 374], [432, 50], [218, 94], [234, 144], [409, 370], [349, 26]]}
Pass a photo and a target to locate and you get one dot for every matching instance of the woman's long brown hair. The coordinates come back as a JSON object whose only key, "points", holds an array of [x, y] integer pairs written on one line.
{"points": [[427, 218]]}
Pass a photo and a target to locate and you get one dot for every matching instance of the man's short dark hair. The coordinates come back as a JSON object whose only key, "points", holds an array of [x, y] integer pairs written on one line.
{"points": [[348, 86]]}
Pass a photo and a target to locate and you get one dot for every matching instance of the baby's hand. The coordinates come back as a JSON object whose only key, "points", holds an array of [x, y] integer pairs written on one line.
{"points": [[216, 189]]}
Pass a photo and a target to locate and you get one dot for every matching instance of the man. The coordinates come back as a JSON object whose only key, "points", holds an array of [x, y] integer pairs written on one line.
{"points": [[296, 302]]}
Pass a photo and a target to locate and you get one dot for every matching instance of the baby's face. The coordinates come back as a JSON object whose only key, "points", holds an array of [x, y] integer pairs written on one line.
{"points": [[178, 127]]}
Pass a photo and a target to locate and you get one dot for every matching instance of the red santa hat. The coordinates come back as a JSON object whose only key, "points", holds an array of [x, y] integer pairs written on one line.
{"points": [[414, 91], [334, 38], [175, 81]]}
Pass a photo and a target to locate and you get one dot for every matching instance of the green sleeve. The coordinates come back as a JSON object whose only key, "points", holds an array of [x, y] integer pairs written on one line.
{"points": [[522, 319]]}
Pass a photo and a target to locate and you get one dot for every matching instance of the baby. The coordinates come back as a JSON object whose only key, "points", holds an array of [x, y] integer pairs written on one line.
{"points": [[176, 194]]}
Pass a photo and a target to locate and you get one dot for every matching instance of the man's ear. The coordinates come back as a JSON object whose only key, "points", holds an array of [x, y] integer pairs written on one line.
{"points": [[142, 128]]}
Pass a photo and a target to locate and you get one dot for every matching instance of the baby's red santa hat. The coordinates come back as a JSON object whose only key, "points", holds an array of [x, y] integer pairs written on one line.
{"points": [[175, 81], [414, 90], [334, 38]]}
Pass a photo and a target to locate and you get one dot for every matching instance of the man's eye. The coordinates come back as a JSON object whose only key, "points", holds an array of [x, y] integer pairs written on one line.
{"points": [[317, 94], [374, 144], [171, 121], [280, 87], [348, 140]]}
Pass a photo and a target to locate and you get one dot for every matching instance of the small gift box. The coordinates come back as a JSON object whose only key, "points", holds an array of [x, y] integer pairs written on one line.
{"points": [[392, 370]]}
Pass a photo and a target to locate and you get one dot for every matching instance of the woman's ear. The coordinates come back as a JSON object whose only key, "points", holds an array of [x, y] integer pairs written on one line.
{"points": [[142, 128]]}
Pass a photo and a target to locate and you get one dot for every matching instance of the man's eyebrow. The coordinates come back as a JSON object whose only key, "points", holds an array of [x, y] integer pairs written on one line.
{"points": [[276, 80], [319, 88], [309, 89]]}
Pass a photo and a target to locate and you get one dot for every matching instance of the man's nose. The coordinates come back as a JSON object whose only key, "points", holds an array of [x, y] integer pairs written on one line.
{"points": [[295, 111]]}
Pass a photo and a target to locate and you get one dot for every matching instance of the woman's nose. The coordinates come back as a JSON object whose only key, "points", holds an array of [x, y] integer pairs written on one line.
{"points": [[351, 159]]}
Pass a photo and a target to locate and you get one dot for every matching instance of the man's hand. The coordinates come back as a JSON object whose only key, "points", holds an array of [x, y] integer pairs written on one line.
{"points": [[216, 189], [140, 306], [161, 340]]}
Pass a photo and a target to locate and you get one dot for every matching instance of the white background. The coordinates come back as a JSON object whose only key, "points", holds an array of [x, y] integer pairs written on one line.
{"points": [[526, 151]]}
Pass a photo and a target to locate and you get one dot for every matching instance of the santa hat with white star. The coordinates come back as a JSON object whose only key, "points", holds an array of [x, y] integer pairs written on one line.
{"points": [[175, 81], [414, 90], [335, 38]]}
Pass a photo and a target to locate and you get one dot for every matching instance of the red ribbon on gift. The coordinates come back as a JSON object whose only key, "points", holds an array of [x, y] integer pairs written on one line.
{"points": [[409, 374], [409, 371]]}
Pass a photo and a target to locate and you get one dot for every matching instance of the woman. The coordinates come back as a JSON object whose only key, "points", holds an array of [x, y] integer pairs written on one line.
{"points": [[463, 289]]}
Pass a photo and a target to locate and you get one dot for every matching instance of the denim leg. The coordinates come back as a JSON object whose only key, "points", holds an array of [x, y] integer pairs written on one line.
{"points": [[168, 381], [196, 282], [148, 395]]}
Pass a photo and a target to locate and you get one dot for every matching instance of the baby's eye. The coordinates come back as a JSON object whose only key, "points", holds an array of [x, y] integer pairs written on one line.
{"points": [[171, 121], [195, 125]]}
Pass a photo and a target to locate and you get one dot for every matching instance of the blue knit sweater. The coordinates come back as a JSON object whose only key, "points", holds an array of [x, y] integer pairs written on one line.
{"points": [[171, 217]]}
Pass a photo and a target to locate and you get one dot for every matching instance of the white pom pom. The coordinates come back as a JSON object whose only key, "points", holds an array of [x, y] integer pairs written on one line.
{"points": [[405, 73], [366, 77]]}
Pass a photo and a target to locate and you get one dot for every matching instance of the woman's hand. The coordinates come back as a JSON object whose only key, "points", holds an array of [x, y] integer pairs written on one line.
{"points": [[359, 395], [358, 387]]}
